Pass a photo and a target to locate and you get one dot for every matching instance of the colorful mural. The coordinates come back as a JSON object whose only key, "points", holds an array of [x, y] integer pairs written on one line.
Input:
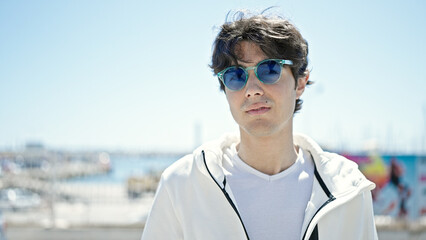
{"points": [[400, 190]]}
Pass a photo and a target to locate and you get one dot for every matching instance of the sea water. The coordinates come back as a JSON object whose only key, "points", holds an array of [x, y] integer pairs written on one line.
{"points": [[124, 167]]}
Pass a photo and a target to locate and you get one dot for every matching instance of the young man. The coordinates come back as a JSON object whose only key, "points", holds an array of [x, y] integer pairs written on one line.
{"points": [[265, 183]]}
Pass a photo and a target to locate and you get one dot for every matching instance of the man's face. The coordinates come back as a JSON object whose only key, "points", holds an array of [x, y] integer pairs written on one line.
{"points": [[260, 109]]}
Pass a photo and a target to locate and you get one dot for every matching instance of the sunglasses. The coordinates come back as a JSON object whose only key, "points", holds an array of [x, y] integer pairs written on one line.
{"points": [[267, 71]]}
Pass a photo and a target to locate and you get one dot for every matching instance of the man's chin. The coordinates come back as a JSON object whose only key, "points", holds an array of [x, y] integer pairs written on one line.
{"points": [[259, 129]]}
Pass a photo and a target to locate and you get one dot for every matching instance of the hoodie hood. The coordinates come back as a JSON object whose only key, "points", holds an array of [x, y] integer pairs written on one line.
{"points": [[212, 153], [339, 175]]}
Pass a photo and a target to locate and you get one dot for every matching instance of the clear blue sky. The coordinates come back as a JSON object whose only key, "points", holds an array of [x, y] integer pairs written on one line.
{"points": [[134, 74]]}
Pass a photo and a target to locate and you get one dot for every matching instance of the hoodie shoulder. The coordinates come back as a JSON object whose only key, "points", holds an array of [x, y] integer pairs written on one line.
{"points": [[339, 173], [181, 167], [339, 165]]}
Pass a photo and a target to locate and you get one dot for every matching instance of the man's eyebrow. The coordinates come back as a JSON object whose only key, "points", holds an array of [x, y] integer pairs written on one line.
{"points": [[242, 63]]}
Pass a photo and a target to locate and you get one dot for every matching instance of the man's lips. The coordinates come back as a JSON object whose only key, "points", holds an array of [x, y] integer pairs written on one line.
{"points": [[257, 109]]}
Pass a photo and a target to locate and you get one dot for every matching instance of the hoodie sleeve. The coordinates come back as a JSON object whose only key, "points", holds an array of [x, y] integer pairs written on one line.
{"points": [[369, 213], [162, 222]]}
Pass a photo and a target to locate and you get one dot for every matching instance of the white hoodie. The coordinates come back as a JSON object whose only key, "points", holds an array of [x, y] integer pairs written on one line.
{"points": [[193, 200]]}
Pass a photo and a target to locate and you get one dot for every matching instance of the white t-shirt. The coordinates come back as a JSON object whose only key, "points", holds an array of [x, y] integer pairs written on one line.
{"points": [[271, 206]]}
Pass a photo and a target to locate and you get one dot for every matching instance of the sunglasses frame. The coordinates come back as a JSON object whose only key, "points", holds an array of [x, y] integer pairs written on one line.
{"points": [[282, 62]]}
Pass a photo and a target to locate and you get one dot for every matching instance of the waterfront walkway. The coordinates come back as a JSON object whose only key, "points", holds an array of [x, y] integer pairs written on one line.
{"points": [[94, 205], [104, 211]]}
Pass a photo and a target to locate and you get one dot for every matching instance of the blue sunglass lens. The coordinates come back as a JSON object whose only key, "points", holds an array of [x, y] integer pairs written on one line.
{"points": [[269, 72], [234, 78]]}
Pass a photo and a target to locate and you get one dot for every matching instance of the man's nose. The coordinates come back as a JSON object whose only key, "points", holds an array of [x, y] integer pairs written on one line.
{"points": [[253, 86]]}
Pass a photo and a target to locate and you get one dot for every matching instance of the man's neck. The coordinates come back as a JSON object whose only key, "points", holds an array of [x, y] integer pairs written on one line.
{"points": [[270, 155]]}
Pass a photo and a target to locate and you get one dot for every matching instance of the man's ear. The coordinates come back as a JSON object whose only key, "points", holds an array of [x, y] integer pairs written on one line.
{"points": [[301, 85]]}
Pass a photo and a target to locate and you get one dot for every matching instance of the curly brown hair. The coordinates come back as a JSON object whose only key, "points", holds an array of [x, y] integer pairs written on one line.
{"points": [[277, 37]]}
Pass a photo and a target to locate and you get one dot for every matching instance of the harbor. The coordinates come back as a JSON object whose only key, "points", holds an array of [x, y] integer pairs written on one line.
{"points": [[56, 190], [69, 195]]}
